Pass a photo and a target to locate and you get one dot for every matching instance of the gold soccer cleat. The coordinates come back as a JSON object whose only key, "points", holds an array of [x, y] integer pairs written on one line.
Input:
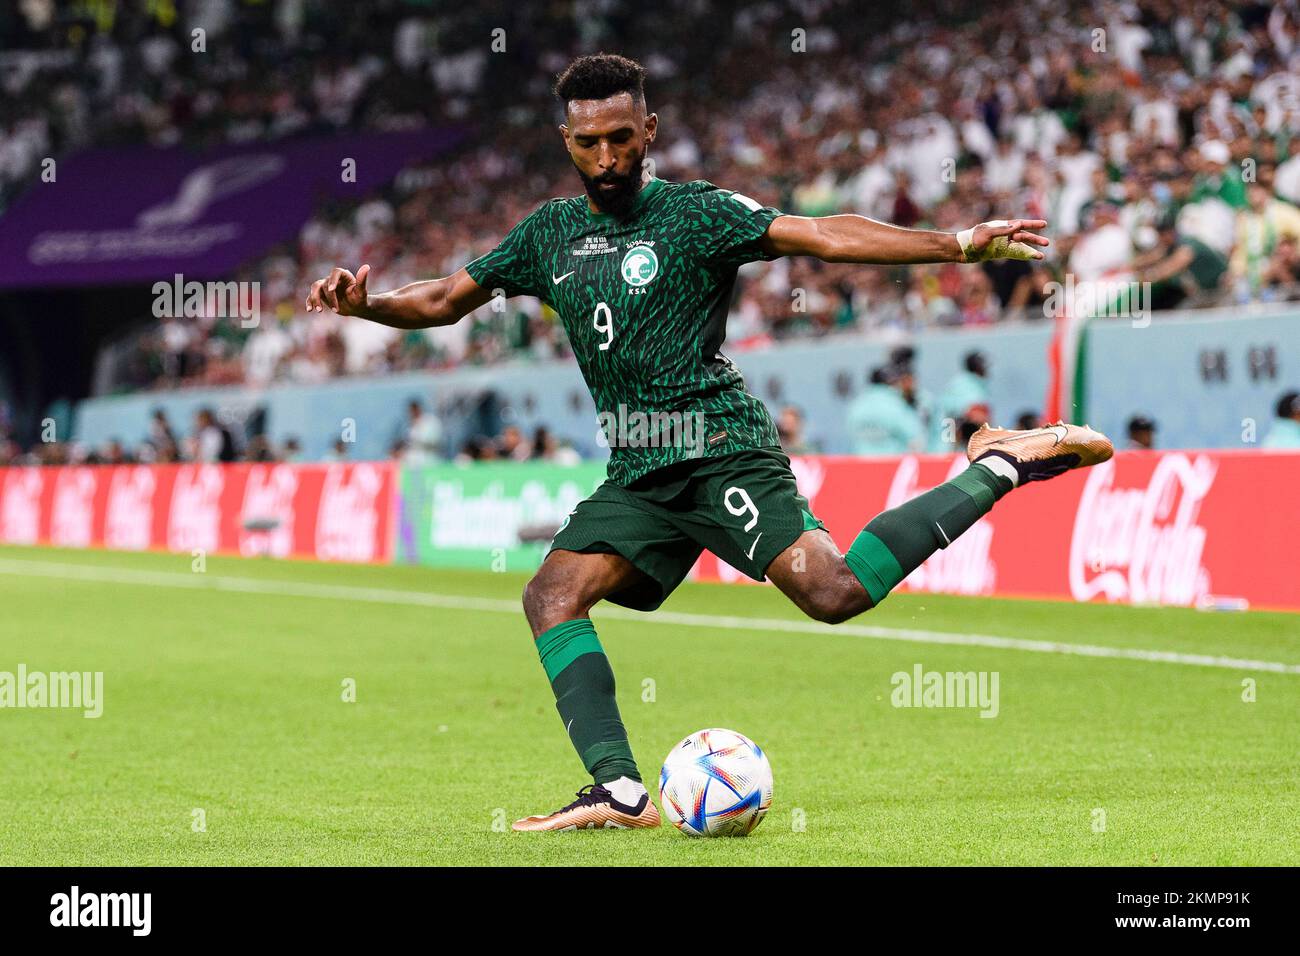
{"points": [[595, 809], [1041, 453]]}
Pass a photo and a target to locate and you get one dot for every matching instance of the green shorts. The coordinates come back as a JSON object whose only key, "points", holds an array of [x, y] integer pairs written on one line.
{"points": [[744, 507]]}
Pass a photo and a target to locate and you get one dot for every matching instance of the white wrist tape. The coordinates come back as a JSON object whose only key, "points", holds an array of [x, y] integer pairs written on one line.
{"points": [[964, 240]]}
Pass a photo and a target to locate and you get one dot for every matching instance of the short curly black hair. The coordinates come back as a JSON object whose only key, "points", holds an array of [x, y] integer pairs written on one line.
{"points": [[599, 76]]}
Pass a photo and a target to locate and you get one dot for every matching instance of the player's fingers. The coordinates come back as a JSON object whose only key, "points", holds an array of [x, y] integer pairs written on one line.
{"points": [[362, 274], [1031, 239], [313, 296], [319, 297], [327, 287], [338, 281]]}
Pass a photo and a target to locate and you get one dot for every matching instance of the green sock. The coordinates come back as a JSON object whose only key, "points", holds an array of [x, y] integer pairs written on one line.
{"points": [[583, 683], [898, 541]]}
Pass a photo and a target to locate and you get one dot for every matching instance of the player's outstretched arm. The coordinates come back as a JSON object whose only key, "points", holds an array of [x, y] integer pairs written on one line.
{"points": [[419, 305], [850, 238]]}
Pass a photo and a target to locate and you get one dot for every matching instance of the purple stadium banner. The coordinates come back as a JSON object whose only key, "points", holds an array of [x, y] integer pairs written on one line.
{"points": [[135, 214]]}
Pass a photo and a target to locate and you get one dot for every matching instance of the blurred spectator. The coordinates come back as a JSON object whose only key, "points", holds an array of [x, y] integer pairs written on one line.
{"points": [[1287, 181], [259, 449], [1104, 248], [423, 437], [160, 430], [338, 451], [1028, 420], [511, 445], [1260, 227], [476, 449], [115, 454], [790, 428], [967, 388], [160, 445], [1285, 431], [547, 448], [880, 421], [1141, 433], [902, 370], [1183, 267], [976, 417], [212, 441]]}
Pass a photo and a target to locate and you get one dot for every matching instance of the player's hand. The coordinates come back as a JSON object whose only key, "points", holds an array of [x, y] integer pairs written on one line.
{"points": [[1002, 239], [341, 291]]}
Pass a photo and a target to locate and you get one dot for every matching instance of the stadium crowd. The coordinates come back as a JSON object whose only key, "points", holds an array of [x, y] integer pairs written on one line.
{"points": [[1160, 139], [418, 441]]}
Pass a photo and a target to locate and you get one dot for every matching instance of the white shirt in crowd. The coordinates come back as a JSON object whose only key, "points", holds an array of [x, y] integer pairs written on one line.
{"points": [[1101, 251], [1286, 181], [423, 440], [209, 444]]}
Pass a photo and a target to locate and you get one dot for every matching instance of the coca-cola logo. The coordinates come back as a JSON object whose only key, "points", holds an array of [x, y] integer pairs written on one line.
{"points": [[963, 567], [347, 522], [20, 510], [73, 513], [266, 517], [128, 522], [194, 520], [1143, 544]]}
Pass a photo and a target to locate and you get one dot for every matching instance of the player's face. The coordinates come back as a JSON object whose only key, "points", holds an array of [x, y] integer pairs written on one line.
{"points": [[607, 141]]}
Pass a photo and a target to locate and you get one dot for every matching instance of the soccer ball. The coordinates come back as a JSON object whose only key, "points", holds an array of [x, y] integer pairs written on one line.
{"points": [[716, 783]]}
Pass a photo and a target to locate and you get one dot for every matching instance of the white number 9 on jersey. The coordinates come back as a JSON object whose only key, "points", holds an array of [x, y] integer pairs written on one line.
{"points": [[607, 326], [745, 506]]}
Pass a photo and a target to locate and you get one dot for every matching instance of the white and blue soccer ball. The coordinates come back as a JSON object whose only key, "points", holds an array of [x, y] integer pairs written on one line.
{"points": [[716, 783]]}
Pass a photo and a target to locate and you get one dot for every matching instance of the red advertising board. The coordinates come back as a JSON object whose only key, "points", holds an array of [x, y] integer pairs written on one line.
{"points": [[335, 512], [1181, 528]]}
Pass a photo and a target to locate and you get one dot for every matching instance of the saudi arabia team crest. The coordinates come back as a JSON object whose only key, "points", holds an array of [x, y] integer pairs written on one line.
{"points": [[640, 265]]}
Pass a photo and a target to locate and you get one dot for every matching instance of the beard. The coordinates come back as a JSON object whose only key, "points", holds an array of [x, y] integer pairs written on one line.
{"points": [[618, 200]]}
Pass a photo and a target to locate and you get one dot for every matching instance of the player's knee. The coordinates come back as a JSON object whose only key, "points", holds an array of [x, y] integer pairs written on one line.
{"points": [[840, 611], [535, 597], [548, 602], [835, 604], [828, 611]]}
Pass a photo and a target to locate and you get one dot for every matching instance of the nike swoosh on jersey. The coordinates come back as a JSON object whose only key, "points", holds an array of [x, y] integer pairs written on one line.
{"points": [[555, 281], [750, 554]]}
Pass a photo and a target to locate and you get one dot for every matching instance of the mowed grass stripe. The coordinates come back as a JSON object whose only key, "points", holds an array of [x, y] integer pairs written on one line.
{"points": [[460, 602]]}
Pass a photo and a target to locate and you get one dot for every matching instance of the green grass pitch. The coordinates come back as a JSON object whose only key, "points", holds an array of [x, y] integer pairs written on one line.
{"points": [[226, 697]]}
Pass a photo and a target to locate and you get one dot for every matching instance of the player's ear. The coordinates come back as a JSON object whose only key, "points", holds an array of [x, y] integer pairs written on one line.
{"points": [[564, 134], [651, 125]]}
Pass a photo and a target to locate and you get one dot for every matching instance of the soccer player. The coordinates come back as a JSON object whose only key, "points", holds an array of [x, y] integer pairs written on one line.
{"points": [[641, 272]]}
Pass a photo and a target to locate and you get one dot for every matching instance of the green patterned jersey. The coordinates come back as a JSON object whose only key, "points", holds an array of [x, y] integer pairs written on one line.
{"points": [[644, 301]]}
